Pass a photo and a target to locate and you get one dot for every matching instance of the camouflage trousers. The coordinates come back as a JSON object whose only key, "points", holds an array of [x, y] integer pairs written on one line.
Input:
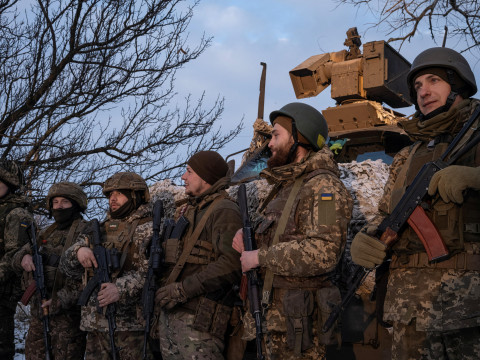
{"points": [[129, 344], [408, 343], [276, 348], [67, 340], [7, 326], [178, 340]]}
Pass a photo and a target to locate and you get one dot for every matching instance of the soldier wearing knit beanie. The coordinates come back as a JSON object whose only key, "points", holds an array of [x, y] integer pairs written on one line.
{"points": [[204, 169]]}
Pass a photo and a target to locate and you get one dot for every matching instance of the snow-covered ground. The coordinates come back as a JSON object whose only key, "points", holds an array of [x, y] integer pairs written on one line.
{"points": [[365, 181]]}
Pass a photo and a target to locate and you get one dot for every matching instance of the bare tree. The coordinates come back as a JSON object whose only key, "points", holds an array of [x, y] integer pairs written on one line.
{"points": [[406, 18], [87, 89]]}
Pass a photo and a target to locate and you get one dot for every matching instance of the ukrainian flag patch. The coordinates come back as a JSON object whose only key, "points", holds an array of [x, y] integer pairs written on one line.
{"points": [[326, 196], [23, 224]]}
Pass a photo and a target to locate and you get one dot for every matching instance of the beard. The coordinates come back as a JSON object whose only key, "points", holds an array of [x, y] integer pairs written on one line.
{"points": [[280, 157]]}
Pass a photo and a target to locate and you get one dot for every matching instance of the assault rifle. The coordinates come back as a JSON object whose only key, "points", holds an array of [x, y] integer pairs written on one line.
{"points": [[253, 283], [39, 277], [410, 209], [155, 262], [107, 261]]}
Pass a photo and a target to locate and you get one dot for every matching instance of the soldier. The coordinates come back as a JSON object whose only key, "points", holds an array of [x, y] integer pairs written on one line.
{"points": [[301, 237], [434, 308], [128, 228], [66, 202], [197, 298], [14, 221]]}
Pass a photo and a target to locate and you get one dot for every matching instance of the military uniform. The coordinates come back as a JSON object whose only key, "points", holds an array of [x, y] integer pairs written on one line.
{"points": [[307, 251], [196, 328], [430, 304], [130, 236], [14, 221], [68, 341]]}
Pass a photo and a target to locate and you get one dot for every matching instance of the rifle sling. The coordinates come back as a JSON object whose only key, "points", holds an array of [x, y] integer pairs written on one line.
{"points": [[190, 242], [282, 223]]}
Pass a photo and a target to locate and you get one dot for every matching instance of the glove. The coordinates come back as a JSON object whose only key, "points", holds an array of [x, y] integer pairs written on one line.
{"points": [[451, 181], [169, 296], [367, 251]]}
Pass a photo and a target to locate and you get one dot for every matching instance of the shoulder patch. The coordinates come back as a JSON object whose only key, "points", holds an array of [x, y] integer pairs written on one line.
{"points": [[327, 213]]}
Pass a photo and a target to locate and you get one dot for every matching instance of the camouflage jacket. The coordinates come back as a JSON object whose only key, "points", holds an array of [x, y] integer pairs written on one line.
{"points": [[52, 243], [439, 299], [14, 221], [314, 236], [315, 233], [213, 266], [129, 279]]}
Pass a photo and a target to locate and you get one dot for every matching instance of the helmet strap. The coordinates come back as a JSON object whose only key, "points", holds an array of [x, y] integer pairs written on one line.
{"points": [[293, 148]]}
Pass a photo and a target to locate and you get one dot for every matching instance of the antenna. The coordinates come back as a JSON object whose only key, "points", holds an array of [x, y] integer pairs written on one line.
{"points": [[445, 36]]}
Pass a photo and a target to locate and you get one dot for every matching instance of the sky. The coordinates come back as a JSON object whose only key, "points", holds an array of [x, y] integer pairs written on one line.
{"points": [[281, 33]]}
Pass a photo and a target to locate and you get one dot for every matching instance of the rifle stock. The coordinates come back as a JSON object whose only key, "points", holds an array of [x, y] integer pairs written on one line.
{"points": [[253, 283]]}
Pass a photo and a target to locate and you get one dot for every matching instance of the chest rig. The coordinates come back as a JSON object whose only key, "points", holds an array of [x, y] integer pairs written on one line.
{"points": [[118, 235], [458, 224]]}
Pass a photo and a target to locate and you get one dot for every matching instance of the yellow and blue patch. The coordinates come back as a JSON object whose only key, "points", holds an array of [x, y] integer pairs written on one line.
{"points": [[326, 196]]}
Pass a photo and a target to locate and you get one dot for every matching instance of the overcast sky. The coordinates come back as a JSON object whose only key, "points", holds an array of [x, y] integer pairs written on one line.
{"points": [[282, 33]]}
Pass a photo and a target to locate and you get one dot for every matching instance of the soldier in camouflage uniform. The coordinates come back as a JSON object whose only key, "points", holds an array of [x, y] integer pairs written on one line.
{"points": [[14, 220], [65, 202], [301, 237], [434, 308], [128, 228], [196, 301]]}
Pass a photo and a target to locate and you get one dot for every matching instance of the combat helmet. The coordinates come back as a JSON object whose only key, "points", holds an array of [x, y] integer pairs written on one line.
{"points": [[11, 174], [448, 59], [307, 120], [68, 190], [127, 181]]}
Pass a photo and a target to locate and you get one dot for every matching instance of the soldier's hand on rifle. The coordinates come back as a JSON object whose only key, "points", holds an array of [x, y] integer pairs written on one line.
{"points": [[86, 258], [237, 242], [169, 296], [366, 250], [249, 260], [108, 294], [27, 263], [453, 180]]}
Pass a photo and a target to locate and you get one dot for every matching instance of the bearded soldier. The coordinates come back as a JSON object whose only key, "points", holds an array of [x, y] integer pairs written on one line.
{"points": [[14, 221], [197, 297], [434, 307], [66, 202], [301, 237], [128, 229]]}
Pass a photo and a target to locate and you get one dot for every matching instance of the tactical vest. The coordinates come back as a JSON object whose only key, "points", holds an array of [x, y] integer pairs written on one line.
{"points": [[118, 234], [52, 243], [265, 231], [5, 209], [458, 224]]}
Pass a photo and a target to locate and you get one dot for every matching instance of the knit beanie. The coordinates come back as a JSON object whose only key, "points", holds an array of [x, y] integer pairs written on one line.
{"points": [[209, 165]]}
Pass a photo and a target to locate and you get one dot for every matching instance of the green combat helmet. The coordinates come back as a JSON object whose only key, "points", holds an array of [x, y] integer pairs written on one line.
{"points": [[307, 120], [11, 174], [68, 190], [127, 181], [454, 64]]}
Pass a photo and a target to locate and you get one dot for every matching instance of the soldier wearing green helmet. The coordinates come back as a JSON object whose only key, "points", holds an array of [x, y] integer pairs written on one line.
{"points": [[128, 229], [65, 201], [15, 218], [434, 307], [300, 238]]}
